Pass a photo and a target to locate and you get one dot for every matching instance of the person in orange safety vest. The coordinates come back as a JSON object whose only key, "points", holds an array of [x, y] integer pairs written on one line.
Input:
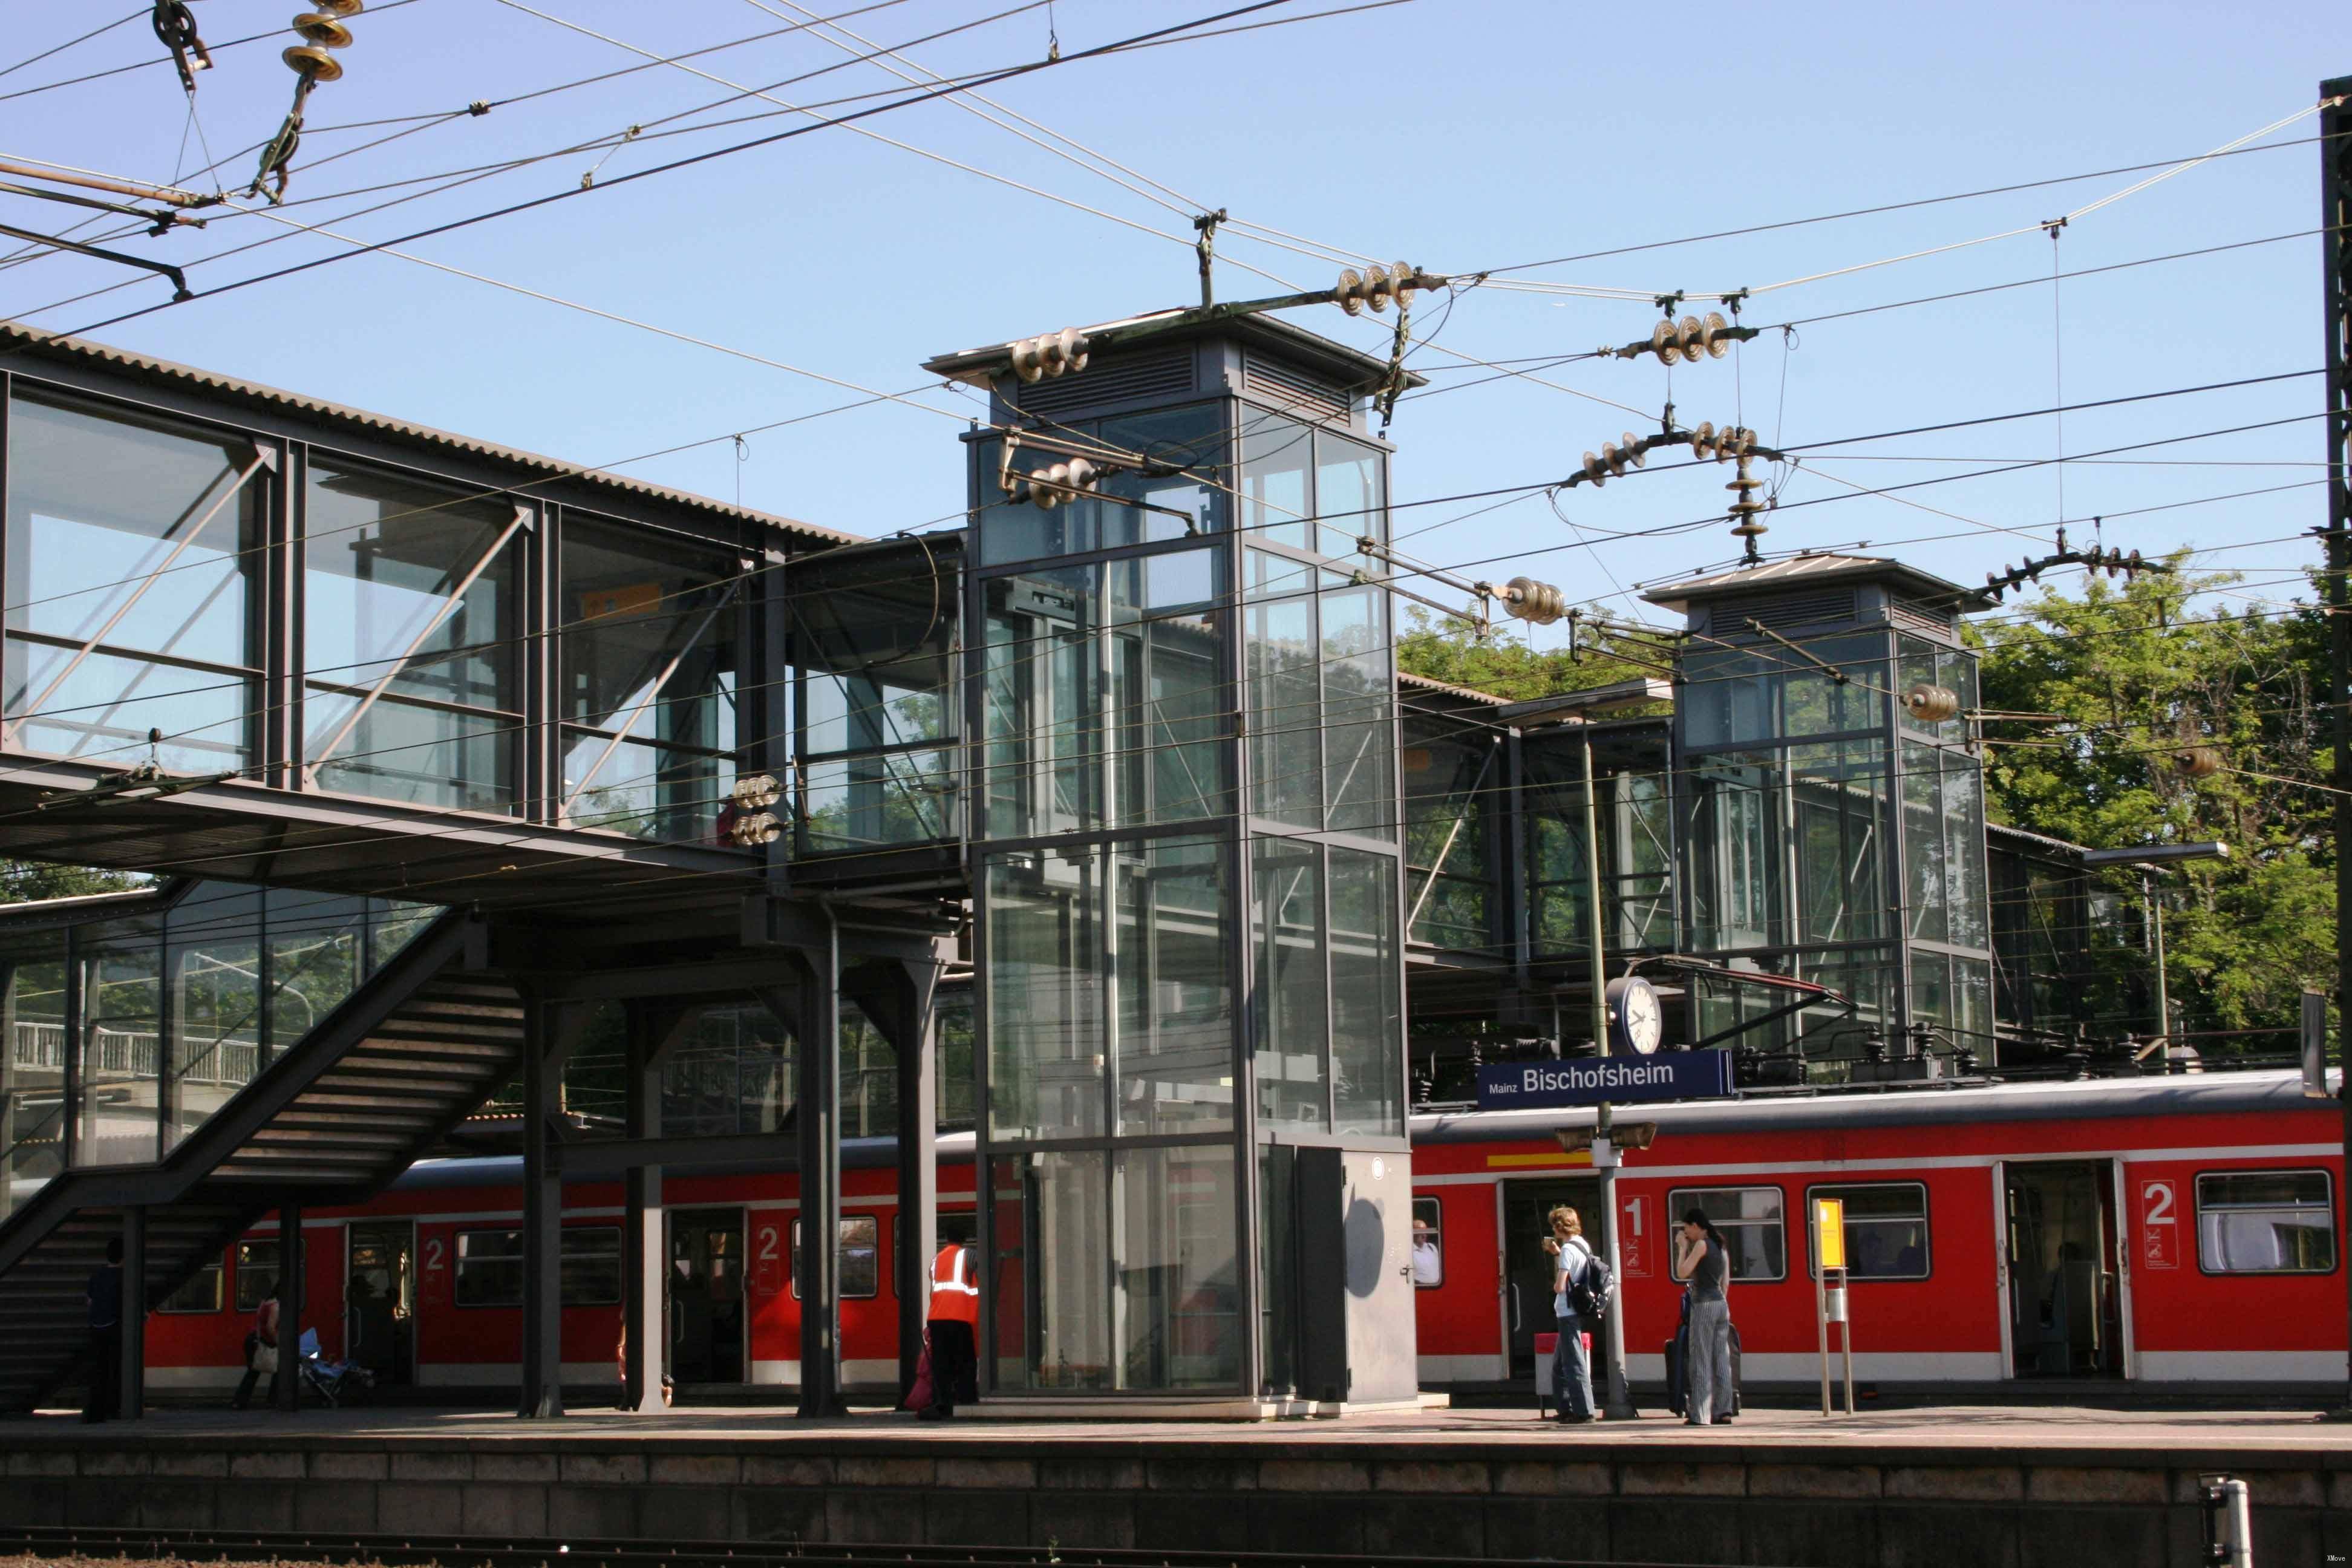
{"points": [[954, 1329]]}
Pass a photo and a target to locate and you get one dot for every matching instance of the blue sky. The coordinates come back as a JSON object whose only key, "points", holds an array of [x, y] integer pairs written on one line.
{"points": [[1457, 137]]}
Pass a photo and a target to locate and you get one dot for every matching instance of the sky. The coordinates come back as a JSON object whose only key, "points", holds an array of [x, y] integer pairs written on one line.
{"points": [[1458, 137]]}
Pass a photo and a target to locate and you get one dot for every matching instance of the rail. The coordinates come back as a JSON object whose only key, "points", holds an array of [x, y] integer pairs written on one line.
{"points": [[464, 1552]]}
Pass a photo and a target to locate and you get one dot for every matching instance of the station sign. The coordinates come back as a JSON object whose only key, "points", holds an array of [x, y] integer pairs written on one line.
{"points": [[1588, 1080]]}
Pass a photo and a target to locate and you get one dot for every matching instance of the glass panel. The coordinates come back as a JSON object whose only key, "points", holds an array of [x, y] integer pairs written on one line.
{"points": [[1166, 680], [382, 560], [1176, 1257], [1045, 994], [1051, 1296], [958, 1071], [1019, 530], [1192, 441], [1447, 785], [1814, 703], [213, 957], [1734, 890], [113, 514], [1926, 887], [489, 1269], [1348, 496], [733, 1073], [1277, 1266], [1749, 1221], [1360, 727], [256, 1273], [1367, 1010], [120, 1040], [202, 1293], [1172, 967], [32, 1093], [1841, 826], [1285, 712], [589, 1266], [1726, 697], [317, 952], [1292, 993], [1278, 456], [1144, 1007], [2265, 1222], [1886, 1229], [649, 652], [1042, 701], [594, 1088]]}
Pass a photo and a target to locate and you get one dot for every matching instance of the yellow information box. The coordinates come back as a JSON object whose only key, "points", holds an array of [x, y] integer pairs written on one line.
{"points": [[1828, 1232]]}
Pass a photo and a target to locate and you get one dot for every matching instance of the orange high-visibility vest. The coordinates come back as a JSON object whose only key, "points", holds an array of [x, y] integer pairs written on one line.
{"points": [[954, 1297]]}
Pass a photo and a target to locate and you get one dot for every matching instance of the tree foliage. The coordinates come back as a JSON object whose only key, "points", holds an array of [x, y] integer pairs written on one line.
{"points": [[24, 881], [1507, 665], [2134, 677]]}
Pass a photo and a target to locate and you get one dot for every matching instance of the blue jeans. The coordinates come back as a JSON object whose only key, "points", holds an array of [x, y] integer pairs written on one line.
{"points": [[1709, 1369], [1571, 1369]]}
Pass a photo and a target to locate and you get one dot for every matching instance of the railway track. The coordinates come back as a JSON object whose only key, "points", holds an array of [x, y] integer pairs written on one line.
{"points": [[478, 1551]]}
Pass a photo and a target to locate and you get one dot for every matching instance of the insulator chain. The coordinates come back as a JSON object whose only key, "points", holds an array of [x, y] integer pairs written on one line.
{"points": [[2112, 562], [1612, 461], [1692, 337], [1378, 288], [321, 30], [1050, 354]]}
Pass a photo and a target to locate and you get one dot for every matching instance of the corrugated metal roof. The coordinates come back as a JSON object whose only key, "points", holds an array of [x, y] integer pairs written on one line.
{"points": [[1422, 683], [1825, 566], [24, 342], [981, 366]]}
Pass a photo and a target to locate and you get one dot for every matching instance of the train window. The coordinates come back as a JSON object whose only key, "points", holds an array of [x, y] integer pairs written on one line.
{"points": [[1751, 1221], [1885, 1229], [257, 1266], [1428, 1244], [590, 1266], [861, 1258], [954, 1225], [202, 1293], [2265, 1222], [489, 1269]]}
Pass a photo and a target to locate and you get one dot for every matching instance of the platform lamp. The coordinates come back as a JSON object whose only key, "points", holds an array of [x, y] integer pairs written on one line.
{"points": [[2151, 860]]}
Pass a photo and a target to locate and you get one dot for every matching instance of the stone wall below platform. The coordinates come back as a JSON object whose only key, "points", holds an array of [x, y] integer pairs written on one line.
{"points": [[1560, 1498]]}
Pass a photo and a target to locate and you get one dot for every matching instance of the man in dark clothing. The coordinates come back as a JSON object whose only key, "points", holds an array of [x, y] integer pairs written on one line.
{"points": [[105, 1297]]}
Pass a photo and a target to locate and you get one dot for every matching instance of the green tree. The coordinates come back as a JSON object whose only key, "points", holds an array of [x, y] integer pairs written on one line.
{"points": [[2133, 678], [24, 881], [1505, 665]]}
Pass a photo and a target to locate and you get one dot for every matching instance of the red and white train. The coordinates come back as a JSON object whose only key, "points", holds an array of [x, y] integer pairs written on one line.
{"points": [[2170, 1230]]}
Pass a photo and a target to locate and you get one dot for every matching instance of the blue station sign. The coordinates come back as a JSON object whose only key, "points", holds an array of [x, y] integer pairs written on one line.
{"points": [[1588, 1080]]}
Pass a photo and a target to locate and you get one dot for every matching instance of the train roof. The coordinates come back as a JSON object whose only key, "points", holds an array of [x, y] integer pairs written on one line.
{"points": [[2190, 1094]]}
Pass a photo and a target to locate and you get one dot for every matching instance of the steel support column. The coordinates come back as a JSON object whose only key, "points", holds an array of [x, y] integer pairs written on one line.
{"points": [[132, 1375], [899, 998], [286, 1388], [813, 1012], [652, 1030], [542, 1224], [2335, 247]]}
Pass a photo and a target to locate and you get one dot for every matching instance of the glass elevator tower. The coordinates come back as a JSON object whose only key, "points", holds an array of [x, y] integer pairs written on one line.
{"points": [[1181, 696]]}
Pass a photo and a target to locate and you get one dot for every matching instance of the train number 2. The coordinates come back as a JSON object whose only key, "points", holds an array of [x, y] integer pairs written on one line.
{"points": [[2159, 1226]]}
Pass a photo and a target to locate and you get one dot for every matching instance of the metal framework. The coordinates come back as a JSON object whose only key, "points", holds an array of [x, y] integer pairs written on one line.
{"points": [[2336, 244]]}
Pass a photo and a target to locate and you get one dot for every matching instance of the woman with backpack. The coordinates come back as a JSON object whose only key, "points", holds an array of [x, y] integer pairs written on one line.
{"points": [[1571, 1366]]}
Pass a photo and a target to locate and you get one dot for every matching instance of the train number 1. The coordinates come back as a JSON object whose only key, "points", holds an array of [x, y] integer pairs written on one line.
{"points": [[2160, 1224], [1633, 1240]]}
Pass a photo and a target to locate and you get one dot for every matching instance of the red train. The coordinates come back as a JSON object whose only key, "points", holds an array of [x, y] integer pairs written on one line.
{"points": [[2165, 1230]]}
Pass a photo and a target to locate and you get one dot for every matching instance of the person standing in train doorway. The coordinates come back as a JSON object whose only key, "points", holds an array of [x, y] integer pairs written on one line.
{"points": [[1708, 1371], [954, 1329], [1571, 1364]]}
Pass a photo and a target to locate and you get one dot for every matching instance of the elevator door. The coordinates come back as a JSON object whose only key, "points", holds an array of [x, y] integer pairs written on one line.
{"points": [[1527, 1267], [706, 1314]]}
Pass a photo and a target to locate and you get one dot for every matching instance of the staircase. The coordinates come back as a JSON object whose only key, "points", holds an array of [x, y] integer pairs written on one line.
{"points": [[357, 1100]]}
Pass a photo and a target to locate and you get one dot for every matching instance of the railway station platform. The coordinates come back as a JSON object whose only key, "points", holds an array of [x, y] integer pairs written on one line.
{"points": [[1977, 1484]]}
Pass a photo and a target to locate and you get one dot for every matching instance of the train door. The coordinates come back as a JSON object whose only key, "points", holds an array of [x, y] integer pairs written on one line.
{"points": [[1527, 1267], [2066, 1297], [379, 1297], [707, 1316]]}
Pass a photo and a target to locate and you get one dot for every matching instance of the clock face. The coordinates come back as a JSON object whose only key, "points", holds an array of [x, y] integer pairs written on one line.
{"points": [[1640, 1019]]}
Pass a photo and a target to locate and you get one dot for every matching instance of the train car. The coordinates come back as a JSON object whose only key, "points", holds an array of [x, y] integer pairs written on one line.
{"points": [[2171, 1230], [424, 1284], [2177, 1229]]}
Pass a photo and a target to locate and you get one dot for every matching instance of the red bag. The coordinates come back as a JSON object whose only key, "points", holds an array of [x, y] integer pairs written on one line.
{"points": [[923, 1396]]}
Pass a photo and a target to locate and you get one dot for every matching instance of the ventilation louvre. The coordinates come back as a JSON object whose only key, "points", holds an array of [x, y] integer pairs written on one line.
{"points": [[1279, 381], [1730, 616], [1167, 373], [1923, 616]]}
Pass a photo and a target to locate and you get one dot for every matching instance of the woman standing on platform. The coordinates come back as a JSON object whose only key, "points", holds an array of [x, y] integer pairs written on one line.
{"points": [[1572, 1367], [260, 1345], [1708, 1370]]}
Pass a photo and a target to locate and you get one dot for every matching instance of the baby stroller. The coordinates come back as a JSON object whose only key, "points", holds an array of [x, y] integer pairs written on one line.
{"points": [[333, 1380]]}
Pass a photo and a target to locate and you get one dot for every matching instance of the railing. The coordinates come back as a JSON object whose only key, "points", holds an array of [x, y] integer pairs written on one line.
{"points": [[136, 1054]]}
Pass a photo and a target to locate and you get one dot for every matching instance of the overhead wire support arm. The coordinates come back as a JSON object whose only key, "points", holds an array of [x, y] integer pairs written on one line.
{"points": [[163, 221], [1837, 677], [180, 290], [169, 194]]}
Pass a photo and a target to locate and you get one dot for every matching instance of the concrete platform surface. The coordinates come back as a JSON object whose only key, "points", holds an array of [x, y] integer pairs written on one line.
{"points": [[2024, 1429]]}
